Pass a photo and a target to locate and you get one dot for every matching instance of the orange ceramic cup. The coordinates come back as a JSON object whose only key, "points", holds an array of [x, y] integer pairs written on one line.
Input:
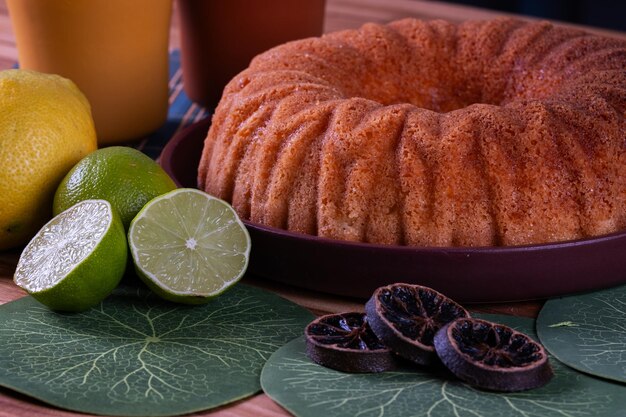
{"points": [[220, 37], [116, 51]]}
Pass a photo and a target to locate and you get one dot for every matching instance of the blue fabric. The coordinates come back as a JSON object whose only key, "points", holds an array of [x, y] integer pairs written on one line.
{"points": [[182, 112]]}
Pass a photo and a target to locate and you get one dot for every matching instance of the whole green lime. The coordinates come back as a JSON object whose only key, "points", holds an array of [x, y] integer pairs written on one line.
{"points": [[124, 176]]}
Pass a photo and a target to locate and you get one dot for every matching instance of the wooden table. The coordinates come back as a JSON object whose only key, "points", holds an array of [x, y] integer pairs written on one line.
{"points": [[340, 14]]}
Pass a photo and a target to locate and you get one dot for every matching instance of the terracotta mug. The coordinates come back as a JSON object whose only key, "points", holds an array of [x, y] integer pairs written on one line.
{"points": [[219, 38], [116, 51]]}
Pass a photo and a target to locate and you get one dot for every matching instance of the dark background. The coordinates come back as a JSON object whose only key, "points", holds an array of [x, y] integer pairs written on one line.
{"points": [[601, 13]]}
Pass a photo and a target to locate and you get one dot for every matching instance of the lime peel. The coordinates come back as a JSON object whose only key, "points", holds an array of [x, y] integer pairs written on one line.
{"points": [[188, 246]]}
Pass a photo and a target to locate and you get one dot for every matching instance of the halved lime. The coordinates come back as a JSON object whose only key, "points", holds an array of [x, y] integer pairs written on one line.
{"points": [[188, 246], [76, 259]]}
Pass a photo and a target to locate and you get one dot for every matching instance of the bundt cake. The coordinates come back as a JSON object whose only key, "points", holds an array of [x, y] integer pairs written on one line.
{"points": [[428, 133]]}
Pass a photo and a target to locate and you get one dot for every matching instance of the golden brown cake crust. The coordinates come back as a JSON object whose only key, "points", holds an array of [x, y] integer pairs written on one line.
{"points": [[427, 133]]}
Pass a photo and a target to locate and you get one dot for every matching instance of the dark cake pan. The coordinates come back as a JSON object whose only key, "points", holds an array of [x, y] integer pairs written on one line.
{"points": [[483, 274]]}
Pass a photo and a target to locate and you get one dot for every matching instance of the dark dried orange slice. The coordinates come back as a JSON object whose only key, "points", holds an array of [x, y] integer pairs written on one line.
{"points": [[346, 342], [406, 317], [492, 356]]}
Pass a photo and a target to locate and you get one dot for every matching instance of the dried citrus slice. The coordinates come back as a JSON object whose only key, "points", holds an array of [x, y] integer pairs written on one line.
{"points": [[346, 342], [492, 356], [406, 317]]}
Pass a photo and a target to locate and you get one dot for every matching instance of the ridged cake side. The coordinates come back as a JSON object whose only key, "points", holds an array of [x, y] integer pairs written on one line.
{"points": [[427, 133]]}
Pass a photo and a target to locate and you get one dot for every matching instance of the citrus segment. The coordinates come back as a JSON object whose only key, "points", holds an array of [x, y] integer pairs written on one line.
{"points": [[76, 259], [188, 246]]}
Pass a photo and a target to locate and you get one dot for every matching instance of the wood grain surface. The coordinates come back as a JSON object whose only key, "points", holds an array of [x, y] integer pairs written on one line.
{"points": [[340, 14]]}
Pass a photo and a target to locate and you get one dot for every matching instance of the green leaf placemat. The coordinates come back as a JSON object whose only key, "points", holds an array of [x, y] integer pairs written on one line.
{"points": [[588, 332], [137, 355], [307, 389]]}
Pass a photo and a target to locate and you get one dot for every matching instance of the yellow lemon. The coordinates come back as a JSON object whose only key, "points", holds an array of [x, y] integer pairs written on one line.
{"points": [[45, 128]]}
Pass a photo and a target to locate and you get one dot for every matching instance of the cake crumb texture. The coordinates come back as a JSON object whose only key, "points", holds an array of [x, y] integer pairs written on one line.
{"points": [[426, 133]]}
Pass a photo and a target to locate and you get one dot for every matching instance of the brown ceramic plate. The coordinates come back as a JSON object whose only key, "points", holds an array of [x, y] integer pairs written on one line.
{"points": [[484, 274]]}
